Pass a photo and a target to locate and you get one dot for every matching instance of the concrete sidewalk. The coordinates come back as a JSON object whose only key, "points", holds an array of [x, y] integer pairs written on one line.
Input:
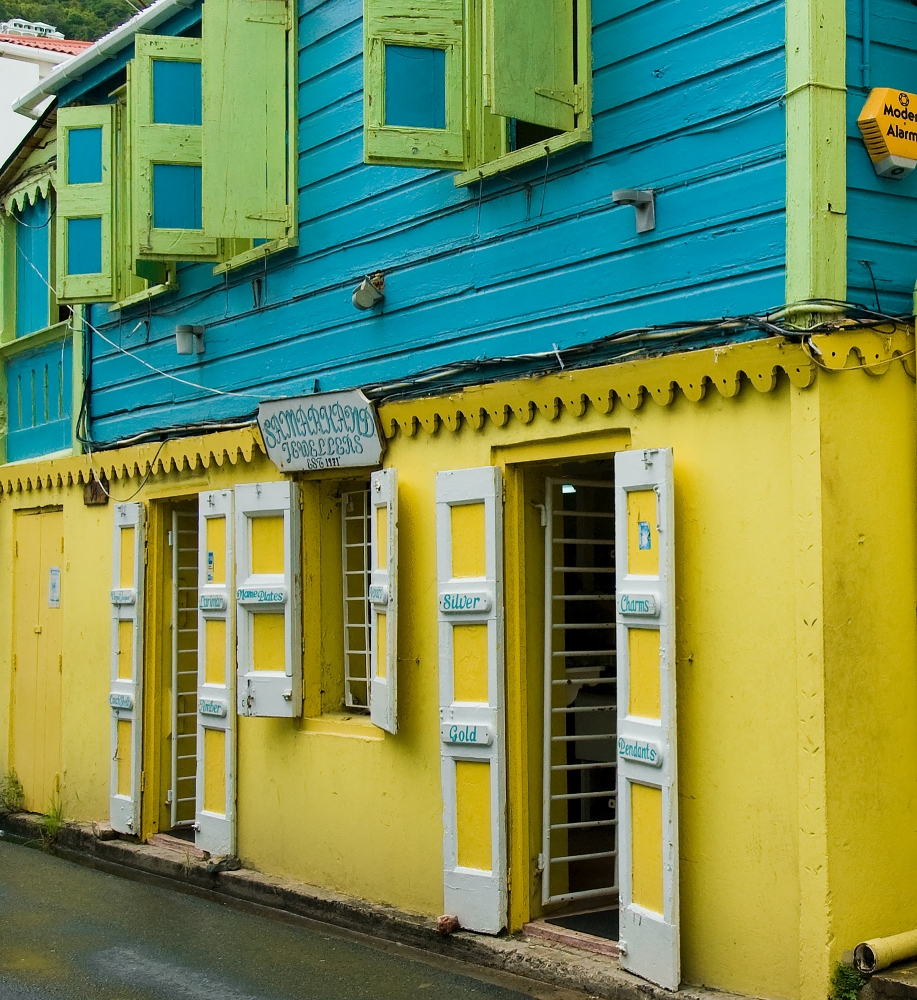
{"points": [[184, 867]]}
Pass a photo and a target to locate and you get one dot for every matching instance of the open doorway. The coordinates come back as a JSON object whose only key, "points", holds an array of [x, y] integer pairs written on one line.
{"points": [[579, 821], [180, 676]]}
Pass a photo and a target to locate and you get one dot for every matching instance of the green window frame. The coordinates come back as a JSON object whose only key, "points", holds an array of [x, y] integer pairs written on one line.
{"points": [[81, 202], [518, 68], [156, 146]]}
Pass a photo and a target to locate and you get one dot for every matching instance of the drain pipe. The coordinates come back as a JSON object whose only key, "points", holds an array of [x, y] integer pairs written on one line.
{"points": [[880, 953]]}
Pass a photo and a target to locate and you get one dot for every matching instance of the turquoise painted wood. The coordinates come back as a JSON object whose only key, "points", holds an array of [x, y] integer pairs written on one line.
{"points": [[882, 214], [687, 100], [39, 390], [33, 263]]}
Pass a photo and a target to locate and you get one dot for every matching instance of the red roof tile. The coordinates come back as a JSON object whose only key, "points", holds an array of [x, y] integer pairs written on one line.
{"points": [[70, 47]]}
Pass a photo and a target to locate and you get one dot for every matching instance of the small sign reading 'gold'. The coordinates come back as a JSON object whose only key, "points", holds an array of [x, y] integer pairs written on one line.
{"points": [[888, 123]]}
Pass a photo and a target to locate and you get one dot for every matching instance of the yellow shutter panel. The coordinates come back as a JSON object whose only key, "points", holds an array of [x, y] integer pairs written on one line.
{"points": [[246, 189]]}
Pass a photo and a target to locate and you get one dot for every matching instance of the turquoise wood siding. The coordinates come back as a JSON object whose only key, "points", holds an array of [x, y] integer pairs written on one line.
{"points": [[881, 214], [687, 100]]}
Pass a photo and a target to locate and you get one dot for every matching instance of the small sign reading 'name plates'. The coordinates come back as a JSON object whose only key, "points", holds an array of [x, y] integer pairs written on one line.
{"points": [[328, 430]]}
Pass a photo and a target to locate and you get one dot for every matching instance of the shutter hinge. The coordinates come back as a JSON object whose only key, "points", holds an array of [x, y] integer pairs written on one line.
{"points": [[561, 96], [15, 664], [142, 780], [60, 663], [16, 549], [503, 484], [579, 90], [509, 880]]}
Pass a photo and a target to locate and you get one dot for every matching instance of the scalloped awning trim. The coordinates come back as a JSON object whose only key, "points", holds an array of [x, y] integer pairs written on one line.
{"points": [[693, 372], [28, 191], [180, 455]]}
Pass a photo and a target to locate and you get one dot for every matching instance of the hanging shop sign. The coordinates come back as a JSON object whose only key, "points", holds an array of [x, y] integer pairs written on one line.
{"points": [[328, 430], [888, 123]]}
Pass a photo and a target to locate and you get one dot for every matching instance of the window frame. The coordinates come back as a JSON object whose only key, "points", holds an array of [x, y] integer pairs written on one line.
{"points": [[507, 160], [365, 518]]}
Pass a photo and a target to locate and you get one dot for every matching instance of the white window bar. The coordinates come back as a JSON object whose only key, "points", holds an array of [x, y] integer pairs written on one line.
{"points": [[355, 539], [184, 667], [579, 827]]}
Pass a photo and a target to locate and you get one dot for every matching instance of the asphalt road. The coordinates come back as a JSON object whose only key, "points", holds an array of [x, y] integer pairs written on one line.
{"points": [[71, 933]]}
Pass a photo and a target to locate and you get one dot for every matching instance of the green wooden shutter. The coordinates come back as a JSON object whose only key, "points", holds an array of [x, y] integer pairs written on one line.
{"points": [[85, 218], [530, 61], [166, 159], [246, 192], [414, 53]]}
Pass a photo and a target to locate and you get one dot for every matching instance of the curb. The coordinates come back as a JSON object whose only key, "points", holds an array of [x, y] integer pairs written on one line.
{"points": [[555, 965]]}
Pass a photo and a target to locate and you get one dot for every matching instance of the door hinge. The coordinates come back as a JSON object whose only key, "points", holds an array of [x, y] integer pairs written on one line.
{"points": [[60, 663], [509, 880], [14, 661], [16, 549], [142, 780]]}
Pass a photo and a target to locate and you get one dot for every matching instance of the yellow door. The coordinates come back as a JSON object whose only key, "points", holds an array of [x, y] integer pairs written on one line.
{"points": [[38, 638]]}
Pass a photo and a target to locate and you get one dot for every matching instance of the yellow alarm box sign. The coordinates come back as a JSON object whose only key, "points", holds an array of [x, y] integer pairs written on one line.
{"points": [[888, 122]]}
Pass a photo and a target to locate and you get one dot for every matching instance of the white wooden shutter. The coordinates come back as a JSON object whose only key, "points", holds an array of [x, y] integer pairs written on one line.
{"points": [[647, 774], [469, 556], [268, 617], [383, 597], [126, 694], [216, 706]]}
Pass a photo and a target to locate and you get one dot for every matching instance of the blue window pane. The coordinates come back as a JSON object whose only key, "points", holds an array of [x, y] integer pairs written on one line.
{"points": [[84, 246], [176, 197], [176, 93], [84, 159], [32, 268], [415, 86]]}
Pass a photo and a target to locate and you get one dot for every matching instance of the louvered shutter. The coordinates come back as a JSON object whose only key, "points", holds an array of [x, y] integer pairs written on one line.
{"points": [[530, 61], [414, 82], [268, 610], [216, 705], [126, 692], [383, 597], [469, 557], [85, 200], [164, 90], [647, 773], [246, 190]]}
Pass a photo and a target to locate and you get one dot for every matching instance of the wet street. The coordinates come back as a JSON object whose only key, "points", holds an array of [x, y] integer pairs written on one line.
{"points": [[72, 933]]}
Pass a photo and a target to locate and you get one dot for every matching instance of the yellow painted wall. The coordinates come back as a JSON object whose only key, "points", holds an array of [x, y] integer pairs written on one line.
{"points": [[796, 665]]}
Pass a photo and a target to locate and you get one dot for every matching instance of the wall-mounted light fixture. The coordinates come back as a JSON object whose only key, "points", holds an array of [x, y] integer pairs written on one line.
{"points": [[645, 203], [370, 292], [189, 339]]}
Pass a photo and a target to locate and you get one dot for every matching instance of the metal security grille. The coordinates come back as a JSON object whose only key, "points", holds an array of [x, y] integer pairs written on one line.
{"points": [[580, 815], [184, 666], [355, 536]]}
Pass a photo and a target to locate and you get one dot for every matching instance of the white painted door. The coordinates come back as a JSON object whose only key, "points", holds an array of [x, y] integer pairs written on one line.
{"points": [[647, 773], [383, 600], [215, 813], [469, 555], [126, 692], [268, 588]]}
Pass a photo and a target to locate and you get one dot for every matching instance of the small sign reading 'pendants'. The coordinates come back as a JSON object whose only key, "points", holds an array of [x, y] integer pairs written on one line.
{"points": [[328, 430]]}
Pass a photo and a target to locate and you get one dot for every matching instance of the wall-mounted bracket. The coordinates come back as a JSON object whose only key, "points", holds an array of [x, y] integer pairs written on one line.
{"points": [[645, 203]]}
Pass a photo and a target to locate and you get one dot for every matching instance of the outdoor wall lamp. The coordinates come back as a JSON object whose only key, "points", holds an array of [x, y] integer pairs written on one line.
{"points": [[645, 203], [370, 292], [189, 339]]}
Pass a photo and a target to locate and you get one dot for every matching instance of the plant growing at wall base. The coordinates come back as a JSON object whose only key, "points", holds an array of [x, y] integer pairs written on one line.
{"points": [[12, 796], [50, 824], [846, 982]]}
